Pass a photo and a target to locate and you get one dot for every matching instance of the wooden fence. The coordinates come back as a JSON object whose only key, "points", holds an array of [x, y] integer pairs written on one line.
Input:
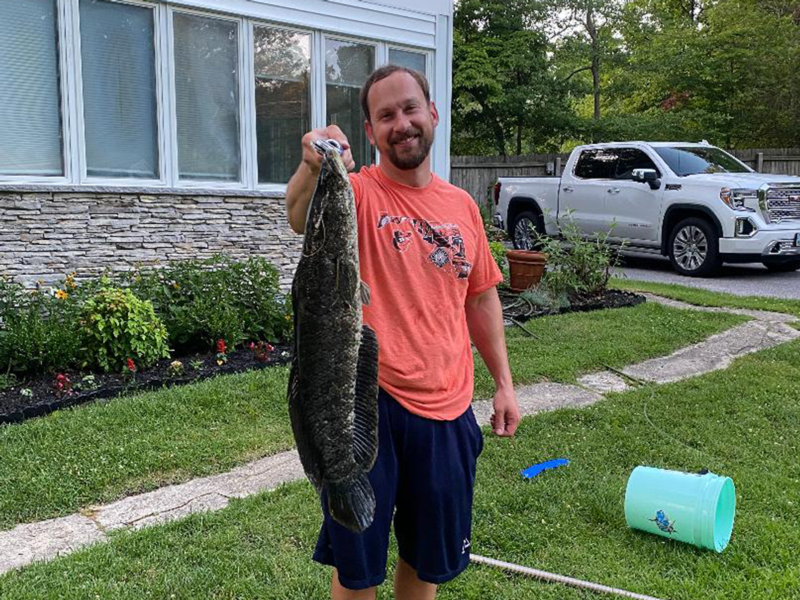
{"points": [[478, 174]]}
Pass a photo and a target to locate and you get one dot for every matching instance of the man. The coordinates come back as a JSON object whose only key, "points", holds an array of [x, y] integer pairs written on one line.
{"points": [[424, 254]]}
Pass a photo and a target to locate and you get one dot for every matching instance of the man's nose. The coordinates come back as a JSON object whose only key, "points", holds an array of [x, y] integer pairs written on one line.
{"points": [[401, 123]]}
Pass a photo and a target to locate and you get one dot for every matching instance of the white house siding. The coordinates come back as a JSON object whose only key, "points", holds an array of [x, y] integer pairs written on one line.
{"points": [[50, 226]]}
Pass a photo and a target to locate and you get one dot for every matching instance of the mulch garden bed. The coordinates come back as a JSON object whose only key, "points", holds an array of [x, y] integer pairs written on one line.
{"points": [[44, 398], [515, 308]]}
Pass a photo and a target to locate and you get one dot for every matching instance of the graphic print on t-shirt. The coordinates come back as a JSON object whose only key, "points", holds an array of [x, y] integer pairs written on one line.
{"points": [[444, 240]]}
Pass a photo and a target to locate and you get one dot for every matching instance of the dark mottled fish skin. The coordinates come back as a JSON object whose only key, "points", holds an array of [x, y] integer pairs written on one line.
{"points": [[333, 385]]}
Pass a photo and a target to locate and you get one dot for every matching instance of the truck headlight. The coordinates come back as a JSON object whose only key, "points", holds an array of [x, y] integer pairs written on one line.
{"points": [[737, 199]]}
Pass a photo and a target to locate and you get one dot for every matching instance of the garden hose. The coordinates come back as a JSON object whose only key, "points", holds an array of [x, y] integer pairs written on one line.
{"points": [[553, 578]]}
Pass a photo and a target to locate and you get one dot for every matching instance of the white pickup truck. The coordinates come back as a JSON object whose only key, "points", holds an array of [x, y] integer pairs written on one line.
{"points": [[694, 203]]}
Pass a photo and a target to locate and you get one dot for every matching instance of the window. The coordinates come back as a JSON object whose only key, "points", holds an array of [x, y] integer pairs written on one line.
{"points": [[119, 90], [347, 66], [596, 164], [207, 97], [412, 60], [630, 159], [30, 109], [692, 160], [283, 100]]}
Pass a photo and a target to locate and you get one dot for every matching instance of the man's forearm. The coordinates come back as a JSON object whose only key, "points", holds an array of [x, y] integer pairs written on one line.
{"points": [[298, 196], [485, 322]]}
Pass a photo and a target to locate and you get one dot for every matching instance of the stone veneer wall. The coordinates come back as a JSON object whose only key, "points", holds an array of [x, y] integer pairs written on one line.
{"points": [[46, 234]]}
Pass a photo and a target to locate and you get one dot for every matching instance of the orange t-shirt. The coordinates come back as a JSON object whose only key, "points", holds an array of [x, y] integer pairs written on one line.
{"points": [[422, 252]]}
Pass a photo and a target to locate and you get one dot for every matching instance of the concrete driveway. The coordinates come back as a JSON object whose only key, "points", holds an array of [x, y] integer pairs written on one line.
{"points": [[743, 280]]}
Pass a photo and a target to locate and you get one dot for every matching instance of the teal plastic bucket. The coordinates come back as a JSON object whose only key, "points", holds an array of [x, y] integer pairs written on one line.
{"points": [[696, 509]]}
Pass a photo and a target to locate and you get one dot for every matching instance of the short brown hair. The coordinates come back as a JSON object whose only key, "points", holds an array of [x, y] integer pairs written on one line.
{"points": [[384, 72]]}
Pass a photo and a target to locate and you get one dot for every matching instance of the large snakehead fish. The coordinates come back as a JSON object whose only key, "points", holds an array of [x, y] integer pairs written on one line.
{"points": [[333, 384]]}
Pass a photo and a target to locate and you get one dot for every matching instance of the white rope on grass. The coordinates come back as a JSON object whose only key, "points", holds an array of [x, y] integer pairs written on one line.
{"points": [[552, 577]]}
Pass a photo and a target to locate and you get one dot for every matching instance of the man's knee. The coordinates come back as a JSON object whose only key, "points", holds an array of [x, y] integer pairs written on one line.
{"points": [[339, 592]]}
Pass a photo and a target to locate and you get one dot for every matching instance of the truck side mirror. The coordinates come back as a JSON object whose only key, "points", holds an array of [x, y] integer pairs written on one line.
{"points": [[648, 176]]}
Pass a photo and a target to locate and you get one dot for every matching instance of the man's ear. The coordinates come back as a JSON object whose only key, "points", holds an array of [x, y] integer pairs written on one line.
{"points": [[434, 113], [368, 129]]}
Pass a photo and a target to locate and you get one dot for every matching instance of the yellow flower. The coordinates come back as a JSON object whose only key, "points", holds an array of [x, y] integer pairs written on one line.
{"points": [[62, 295]]}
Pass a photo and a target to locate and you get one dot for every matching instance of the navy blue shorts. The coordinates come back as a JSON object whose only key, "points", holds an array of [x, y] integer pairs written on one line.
{"points": [[423, 477]]}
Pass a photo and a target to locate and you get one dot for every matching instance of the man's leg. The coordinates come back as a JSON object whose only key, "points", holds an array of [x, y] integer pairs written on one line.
{"points": [[342, 593], [407, 586]]}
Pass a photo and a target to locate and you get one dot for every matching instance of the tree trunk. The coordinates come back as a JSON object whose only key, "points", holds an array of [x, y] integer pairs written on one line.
{"points": [[591, 29]]}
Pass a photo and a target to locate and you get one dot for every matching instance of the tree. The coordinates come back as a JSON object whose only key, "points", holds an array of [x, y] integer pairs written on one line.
{"points": [[506, 97]]}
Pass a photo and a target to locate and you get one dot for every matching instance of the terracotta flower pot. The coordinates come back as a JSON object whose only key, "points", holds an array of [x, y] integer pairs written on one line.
{"points": [[526, 268]]}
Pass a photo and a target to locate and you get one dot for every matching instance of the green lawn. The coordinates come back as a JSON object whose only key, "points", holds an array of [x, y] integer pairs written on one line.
{"points": [[702, 297], [741, 422], [97, 453]]}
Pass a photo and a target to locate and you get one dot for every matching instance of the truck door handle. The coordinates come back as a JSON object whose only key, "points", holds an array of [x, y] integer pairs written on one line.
{"points": [[613, 190], [567, 189]]}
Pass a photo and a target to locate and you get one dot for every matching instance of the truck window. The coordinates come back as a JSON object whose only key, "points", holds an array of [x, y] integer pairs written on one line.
{"points": [[630, 159], [596, 164], [693, 160]]}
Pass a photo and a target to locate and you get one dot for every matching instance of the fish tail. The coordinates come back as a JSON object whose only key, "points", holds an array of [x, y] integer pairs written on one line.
{"points": [[352, 502]]}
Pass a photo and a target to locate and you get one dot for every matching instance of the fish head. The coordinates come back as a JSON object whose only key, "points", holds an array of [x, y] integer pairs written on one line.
{"points": [[331, 206]]}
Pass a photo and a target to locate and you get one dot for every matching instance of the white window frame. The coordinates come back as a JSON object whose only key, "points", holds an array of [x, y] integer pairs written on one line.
{"points": [[72, 106], [245, 168], [82, 162], [313, 93]]}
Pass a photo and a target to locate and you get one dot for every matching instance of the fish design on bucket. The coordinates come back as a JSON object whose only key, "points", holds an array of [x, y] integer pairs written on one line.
{"points": [[663, 522], [333, 384]]}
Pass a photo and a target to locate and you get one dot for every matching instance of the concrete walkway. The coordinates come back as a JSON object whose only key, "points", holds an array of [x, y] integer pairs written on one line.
{"points": [[47, 539]]}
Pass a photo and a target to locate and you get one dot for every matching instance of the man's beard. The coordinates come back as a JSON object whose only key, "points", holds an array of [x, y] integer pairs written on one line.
{"points": [[412, 160]]}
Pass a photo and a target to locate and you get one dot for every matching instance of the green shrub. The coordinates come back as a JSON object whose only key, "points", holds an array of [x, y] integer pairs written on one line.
{"points": [[498, 251], [201, 301], [545, 298], [38, 330], [116, 326], [578, 267]]}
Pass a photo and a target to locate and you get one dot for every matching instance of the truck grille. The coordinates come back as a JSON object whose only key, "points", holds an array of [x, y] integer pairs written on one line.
{"points": [[782, 204]]}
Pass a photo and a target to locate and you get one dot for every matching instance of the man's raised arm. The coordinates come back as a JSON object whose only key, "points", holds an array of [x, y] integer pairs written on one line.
{"points": [[301, 185]]}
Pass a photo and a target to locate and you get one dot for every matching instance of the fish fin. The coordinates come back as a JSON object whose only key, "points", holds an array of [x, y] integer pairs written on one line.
{"points": [[308, 456], [365, 426], [351, 503], [366, 294]]}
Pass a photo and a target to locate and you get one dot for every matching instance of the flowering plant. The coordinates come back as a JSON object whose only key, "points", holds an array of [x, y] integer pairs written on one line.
{"points": [[175, 368], [221, 357], [62, 385], [261, 351]]}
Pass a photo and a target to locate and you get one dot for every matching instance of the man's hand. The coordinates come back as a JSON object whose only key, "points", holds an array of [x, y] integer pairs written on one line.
{"points": [[301, 185], [313, 159], [506, 413]]}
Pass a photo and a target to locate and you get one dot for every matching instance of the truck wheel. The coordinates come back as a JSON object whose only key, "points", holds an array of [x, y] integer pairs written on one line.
{"points": [[694, 248], [783, 267], [525, 230]]}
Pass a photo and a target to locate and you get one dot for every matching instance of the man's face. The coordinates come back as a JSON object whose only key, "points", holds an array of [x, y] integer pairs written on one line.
{"points": [[401, 122]]}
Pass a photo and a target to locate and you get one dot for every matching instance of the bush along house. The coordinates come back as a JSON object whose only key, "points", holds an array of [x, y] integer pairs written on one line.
{"points": [[145, 131]]}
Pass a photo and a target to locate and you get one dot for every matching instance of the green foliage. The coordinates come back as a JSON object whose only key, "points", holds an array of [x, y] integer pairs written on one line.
{"points": [[116, 326], [506, 99], [545, 298], [498, 251], [38, 331], [577, 267], [202, 301], [7, 380], [544, 75]]}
